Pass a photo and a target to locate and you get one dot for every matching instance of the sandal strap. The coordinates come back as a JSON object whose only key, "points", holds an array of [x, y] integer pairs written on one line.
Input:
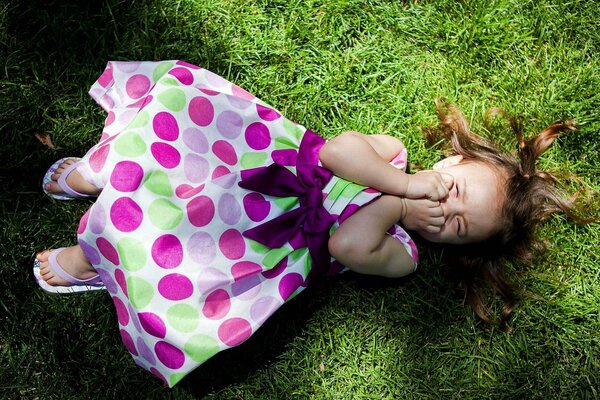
{"points": [[62, 182], [58, 270]]}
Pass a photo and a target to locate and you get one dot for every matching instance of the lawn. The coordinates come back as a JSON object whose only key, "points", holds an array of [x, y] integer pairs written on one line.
{"points": [[371, 66]]}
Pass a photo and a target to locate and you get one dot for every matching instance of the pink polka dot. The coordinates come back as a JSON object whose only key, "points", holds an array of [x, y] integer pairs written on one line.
{"points": [[125, 214], [97, 219], [210, 279], [83, 222], [220, 171], [167, 251], [159, 375], [121, 281], [195, 167], [201, 111], [266, 113], [186, 191], [183, 75], [230, 211], [208, 91], [107, 76], [225, 152], [175, 287], [107, 250], [122, 314], [187, 64], [263, 308], [145, 351], [141, 103], [110, 118], [258, 136], [232, 244], [229, 124], [285, 156], [128, 342], [98, 158], [256, 207], [165, 126], [202, 248], [126, 176], [127, 116], [169, 355], [226, 180], [106, 102], [104, 136], [195, 140], [247, 288], [277, 270], [216, 305], [137, 86], [242, 269], [214, 79], [153, 324], [289, 284], [239, 92], [90, 252], [165, 154], [200, 211], [234, 331]]}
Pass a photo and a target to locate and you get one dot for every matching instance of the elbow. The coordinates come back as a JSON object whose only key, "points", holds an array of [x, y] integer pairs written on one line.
{"points": [[335, 151], [348, 252]]}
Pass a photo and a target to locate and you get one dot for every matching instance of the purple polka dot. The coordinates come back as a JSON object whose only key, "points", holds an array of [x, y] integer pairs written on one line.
{"points": [[266, 113], [107, 250], [225, 152], [159, 375], [258, 136], [165, 154], [242, 269], [107, 102], [167, 251], [214, 79], [120, 278], [210, 279], [137, 86], [110, 118], [247, 288], [97, 218], [263, 308], [226, 180], [277, 270], [90, 253], [239, 92], [175, 287], [234, 331], [153, 324], [348, 211], [107, 280], [134, 318], [187, 64], [126, 176], [201, 111], [229, 124], [122, 314], [98, 158], [127, 66], [256, 207], [216, 305], [125, 214], [285, 156], [145, 351], [107, 76], [83, 222], [128, 342], [232, 244], [202, 248], [127, 116], [195, 140], [200, 211], [239, 103], [195, 167], [289, 284], [165, 126], [219, 172], [229, 209], [183, 75], [169, 355]]}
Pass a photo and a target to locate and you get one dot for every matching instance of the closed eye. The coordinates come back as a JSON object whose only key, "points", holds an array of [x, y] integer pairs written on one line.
{"points": [[457, 227]]}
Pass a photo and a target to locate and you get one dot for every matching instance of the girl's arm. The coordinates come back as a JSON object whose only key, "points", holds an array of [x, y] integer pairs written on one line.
{"points": [[364, 159], [361, 242]]}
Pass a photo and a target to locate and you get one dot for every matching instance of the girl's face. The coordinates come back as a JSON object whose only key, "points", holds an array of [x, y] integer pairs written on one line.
{"points": [[472, 210]]}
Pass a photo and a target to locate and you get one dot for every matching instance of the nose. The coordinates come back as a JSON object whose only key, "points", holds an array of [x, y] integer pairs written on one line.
{"points": [[450, 207]]}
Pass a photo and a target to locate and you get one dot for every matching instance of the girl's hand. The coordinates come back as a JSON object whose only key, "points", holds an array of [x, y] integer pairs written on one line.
{"points": [[423, 214], [430, 185]]}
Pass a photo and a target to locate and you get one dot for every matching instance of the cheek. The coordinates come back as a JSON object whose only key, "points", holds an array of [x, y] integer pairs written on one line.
{"points": [[430, 237]]}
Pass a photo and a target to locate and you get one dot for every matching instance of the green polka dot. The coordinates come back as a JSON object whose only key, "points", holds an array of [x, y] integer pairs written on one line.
{"points": [[258, 247], [352, 190], [253, 159], [286, 203], [130, 144], [201, 347], [170, 81], [140, 120], [158, 182], [273, 257], [160, 70], [176, 377], [283, 142], [307, 265], [131, 253], [164, 214], [173, 99], [140, 292], [298, 253], [293, 129], [183, 317]]}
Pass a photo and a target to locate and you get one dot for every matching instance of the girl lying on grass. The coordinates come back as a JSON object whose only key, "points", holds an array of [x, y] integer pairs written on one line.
{"points": [[213, 210]]}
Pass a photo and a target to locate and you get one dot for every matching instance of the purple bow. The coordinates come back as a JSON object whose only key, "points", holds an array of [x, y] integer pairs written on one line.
{"points": [[311, 217]]}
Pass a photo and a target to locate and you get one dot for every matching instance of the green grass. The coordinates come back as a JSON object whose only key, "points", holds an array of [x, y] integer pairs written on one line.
{"points": [[336, 65]]}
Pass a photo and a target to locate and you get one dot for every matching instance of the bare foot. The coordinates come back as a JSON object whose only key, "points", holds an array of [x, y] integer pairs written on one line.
{"points": [[74, 180], [72, 260]]}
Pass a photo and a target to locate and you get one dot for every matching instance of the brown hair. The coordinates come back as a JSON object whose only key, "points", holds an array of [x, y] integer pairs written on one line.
{"points": [[531, 196]]}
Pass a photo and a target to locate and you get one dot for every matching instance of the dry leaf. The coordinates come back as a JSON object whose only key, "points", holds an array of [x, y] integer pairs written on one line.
{"points": [[322, 367], [44, 138]]}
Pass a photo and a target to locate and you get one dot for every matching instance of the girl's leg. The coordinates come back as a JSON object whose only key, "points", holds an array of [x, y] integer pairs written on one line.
{"points": [[72, 260], [75, 180]]}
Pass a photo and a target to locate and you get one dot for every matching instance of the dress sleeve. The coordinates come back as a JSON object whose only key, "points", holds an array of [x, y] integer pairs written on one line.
{"points": [[398, 232]]}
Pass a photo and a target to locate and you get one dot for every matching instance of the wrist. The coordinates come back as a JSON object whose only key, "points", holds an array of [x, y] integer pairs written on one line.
{"points": [[404, 209], [404, 182]]}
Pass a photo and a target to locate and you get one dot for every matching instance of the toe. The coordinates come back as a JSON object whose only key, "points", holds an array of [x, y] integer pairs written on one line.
{"points": [[42, 256], [53, 187]]}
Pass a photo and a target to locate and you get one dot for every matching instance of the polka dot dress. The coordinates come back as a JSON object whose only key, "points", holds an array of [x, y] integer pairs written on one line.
{"points": [[167, 232]]}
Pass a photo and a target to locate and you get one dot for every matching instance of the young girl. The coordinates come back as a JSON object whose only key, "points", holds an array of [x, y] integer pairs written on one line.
{"points": [[213, 210]]}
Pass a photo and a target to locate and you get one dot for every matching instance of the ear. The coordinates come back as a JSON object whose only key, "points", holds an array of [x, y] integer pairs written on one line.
{"points": [[448, 162]]}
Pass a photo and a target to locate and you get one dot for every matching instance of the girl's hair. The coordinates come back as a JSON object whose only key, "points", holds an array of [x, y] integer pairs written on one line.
{"points": [[530, 197]]}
